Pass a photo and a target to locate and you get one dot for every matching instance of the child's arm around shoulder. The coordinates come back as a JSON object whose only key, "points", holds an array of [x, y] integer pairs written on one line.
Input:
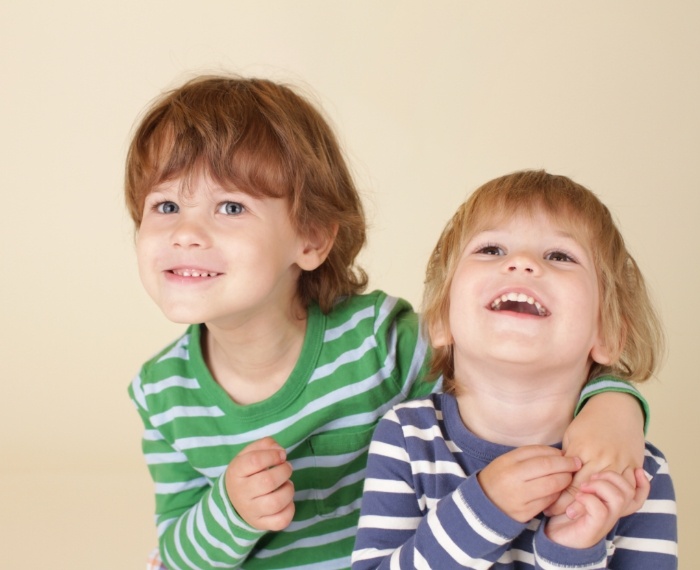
{"points": [[607, 434]]}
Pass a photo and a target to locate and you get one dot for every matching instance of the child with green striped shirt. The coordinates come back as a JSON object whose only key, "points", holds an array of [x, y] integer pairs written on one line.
{"points": [[258, 419]]}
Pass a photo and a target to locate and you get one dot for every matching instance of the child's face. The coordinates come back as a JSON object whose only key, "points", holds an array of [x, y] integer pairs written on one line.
{"points": [[215, 256], [525, 292]]}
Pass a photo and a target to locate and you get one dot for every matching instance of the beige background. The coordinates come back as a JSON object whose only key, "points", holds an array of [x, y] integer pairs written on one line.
{"points": [[431, 99]]}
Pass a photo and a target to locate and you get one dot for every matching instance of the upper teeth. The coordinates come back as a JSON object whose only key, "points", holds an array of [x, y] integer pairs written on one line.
{"points": [[520, 298], [193, 273]]}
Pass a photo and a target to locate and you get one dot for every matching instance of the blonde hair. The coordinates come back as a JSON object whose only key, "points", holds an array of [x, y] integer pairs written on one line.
{"points": [[630, 326], [262, 138]]}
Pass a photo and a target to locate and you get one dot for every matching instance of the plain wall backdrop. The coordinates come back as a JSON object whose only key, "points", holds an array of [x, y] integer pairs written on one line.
{"points": [[430, 99]]}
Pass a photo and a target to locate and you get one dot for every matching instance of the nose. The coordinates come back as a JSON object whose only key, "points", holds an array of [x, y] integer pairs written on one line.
{"points": [[190, 232], [524, 262]]}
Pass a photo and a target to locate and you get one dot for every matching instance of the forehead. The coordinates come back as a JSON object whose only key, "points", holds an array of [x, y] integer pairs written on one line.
{"points": [[198, 181], [189, 185], [562, 224], [538, 220]]}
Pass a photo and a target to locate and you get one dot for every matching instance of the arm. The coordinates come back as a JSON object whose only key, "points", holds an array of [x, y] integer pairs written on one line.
{"points": [[607, 435], [197, 524]]}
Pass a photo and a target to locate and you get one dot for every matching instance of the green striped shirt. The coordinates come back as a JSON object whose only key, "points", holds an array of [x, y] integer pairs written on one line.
{"points": [[356, 363]]}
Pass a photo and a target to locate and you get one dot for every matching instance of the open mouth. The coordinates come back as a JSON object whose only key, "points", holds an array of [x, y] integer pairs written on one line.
{"points": [[519, 303]]}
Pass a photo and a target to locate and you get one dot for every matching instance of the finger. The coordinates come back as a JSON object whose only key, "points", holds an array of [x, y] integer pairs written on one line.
{"points": [[278, 500], [546, 465], [261, 444], [257, 461], [608, 479], [592, 506], [529, 451], [562, 502], [641, 492], [565, 502], [279, 519], [269, 480], [547, 489], [629, 475], [612, 489], [575, 509]]}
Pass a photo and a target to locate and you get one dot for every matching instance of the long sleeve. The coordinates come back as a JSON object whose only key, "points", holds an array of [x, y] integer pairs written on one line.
{"points": [[612, 384], [197, 525]]}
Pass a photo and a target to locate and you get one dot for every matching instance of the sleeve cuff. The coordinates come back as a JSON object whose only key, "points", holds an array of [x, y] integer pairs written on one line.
{"points": [[612, 384]]}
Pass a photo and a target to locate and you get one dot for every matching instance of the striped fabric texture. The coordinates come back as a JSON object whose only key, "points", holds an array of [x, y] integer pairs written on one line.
{"points": [[423, 506], [356, 363]]}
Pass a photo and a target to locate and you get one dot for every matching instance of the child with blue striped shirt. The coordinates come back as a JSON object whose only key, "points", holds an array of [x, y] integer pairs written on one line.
{"points": [[530, 294]]}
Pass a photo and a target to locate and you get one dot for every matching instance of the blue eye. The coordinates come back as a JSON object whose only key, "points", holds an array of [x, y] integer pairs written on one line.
{"points": [[490, 250], [167, 208], [231, 208]]}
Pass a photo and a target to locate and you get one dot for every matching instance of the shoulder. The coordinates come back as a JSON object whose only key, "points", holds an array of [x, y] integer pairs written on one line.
{"points": [[376, 305], [412, 431], [373, 313], [170, 365], [421, 413], [178, 354]]}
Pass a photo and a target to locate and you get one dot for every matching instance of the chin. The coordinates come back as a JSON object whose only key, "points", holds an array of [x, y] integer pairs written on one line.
{"points": [[177, 315]]}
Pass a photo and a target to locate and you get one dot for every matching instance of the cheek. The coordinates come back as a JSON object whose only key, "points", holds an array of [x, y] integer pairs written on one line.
{"points": [[468, 290], [142, 251], [145, 258]]}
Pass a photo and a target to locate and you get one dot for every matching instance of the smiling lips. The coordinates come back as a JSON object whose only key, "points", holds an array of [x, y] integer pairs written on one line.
{"points": [[518, 303], [193, 273]]}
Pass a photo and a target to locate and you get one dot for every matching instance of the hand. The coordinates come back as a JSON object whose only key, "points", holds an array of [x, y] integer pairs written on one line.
{"points": [[528, 479], [603, 501], [608, 435], [259, 486]]}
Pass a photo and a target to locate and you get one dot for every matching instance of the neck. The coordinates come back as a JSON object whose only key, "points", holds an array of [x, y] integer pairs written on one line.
{"points": [[517, 408], [253, 359]]}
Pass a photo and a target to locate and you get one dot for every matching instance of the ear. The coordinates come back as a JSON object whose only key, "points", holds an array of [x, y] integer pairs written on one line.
{"points": [[440, 334], [316, 247]]}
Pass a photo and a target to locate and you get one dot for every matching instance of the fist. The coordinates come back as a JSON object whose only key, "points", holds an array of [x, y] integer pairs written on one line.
{"points": [[259, 487]]}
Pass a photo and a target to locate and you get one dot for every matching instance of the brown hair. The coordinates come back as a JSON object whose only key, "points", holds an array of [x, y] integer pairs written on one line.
{"points": [[262, 138], [630, 326]]}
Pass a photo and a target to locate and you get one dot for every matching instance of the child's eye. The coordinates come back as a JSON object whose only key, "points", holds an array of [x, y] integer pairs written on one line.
{"points": [[167, 208], [231, 208], [491, 250], [558, 256]]}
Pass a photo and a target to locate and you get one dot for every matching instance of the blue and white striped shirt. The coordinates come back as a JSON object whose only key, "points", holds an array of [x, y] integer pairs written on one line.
{"points": [[423, 506]]}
